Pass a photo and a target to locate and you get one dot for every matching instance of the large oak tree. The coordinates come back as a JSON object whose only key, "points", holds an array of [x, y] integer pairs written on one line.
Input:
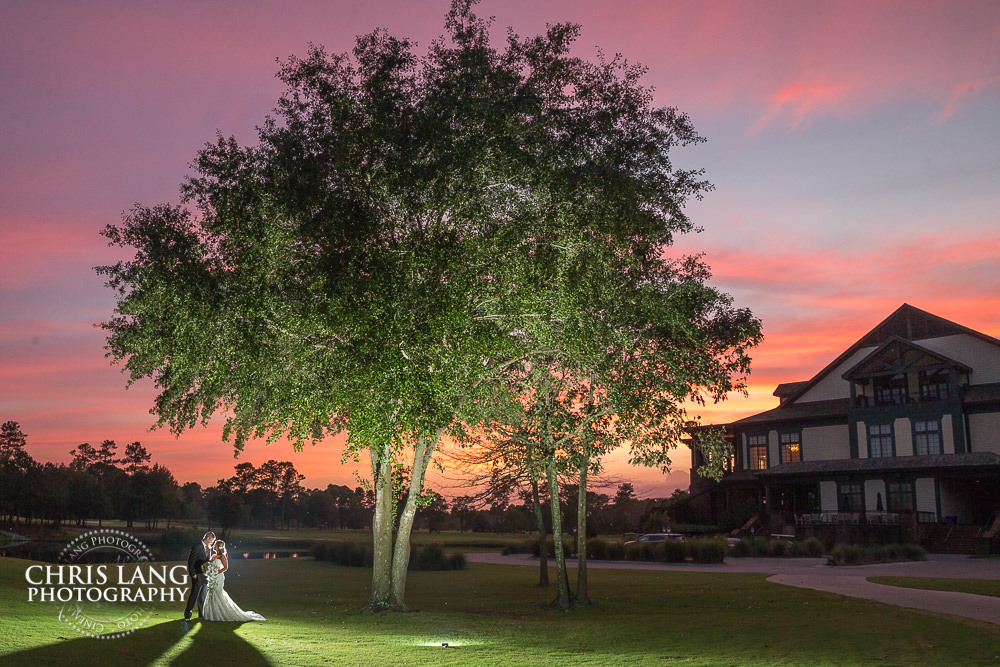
{"points": [[405, 230]]}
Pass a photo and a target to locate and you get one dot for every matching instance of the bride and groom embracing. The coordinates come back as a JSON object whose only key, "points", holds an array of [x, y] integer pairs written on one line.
{"points": [[207, 565]]}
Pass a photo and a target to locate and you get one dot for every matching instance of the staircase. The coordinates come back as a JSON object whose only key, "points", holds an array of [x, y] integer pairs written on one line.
{"points": [[958, 540]]}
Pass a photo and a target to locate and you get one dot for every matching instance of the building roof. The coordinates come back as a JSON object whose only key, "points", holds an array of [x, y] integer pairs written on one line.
{"points": [[908, 323], [955, 462], [834, 410], [786, 389]]}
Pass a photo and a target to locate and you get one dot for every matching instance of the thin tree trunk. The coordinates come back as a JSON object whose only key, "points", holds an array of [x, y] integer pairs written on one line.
{"points": [[381, 529], [582, 598], [562, 594], [401, 556], [543, 547]]}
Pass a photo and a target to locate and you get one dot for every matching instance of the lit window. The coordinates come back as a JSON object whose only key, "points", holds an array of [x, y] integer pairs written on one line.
{"points": [[926, 438], [758, 452], [791, 448], [880, 441]]}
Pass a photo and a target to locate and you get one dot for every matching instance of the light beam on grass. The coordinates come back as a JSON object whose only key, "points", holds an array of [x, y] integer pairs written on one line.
{"points": [[446, 643]]}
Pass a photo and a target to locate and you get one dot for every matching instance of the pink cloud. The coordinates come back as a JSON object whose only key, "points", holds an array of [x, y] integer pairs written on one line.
{"points": [[962, 92], [795, 101]]}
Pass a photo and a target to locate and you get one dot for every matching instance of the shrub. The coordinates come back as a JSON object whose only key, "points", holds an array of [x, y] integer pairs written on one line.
{"points": [[810, 547], [760, 548], [615, 550], [321, 551], [430, 556], [854, 554], [347, 553], [569, 546], [706, 550], [597, 549], [672, 552], [741, 549], [519, 548]]}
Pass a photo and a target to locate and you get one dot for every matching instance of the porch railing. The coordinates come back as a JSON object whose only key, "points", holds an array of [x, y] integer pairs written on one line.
{"points": [[876, 518]]}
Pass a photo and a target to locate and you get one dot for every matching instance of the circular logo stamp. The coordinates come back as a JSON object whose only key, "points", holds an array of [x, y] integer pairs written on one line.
{"points": [[99, 585]]}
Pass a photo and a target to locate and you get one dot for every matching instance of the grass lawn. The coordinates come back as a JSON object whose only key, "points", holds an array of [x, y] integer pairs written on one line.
{"points": [[976, 586], [496, 615]]}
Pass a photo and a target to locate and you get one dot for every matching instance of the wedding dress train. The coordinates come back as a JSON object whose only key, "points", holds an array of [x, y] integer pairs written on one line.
{"points": [[218, 605]]}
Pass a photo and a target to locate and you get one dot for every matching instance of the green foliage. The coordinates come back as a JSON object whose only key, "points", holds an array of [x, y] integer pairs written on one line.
{"points": [[669, 551], [615, 550], [568, 542], [775, 548], [597, 549], [347, 552], [810, 547], [706, 550], [857, 554], [431, 556], [409, 231]]}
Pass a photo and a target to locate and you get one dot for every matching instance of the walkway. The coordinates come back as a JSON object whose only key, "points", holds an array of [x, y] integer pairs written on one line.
{"points": [[852, 581]]}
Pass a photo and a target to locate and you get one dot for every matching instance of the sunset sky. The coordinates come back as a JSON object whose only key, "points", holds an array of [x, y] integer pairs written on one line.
{"points": [[854, 146]]}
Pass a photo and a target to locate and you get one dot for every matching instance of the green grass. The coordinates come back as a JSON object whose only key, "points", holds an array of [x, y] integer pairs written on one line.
{"points": [[976, 586], [496, 615]]}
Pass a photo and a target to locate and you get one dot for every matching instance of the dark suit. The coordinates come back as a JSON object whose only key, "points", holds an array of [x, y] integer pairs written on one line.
{"points": [[196, 559]]}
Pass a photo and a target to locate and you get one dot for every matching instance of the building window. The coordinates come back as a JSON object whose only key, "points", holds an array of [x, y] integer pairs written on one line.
{"points": [[880, 441], [926, 438], [890, 390], [851, 499], [758, 452], [791, 448], [934, 385], [900, 496]]}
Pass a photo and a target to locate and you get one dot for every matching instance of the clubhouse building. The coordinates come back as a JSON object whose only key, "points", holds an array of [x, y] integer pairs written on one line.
{"points": [[898, 438]]}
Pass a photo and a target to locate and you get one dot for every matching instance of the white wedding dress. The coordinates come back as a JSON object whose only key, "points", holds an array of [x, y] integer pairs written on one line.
{"points": [[218, 605]]}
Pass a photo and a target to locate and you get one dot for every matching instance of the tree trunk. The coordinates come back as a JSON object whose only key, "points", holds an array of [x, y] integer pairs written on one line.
{"points": [[582, 598], [562, 594], [543, 547], [422, 453], [381, 529]]}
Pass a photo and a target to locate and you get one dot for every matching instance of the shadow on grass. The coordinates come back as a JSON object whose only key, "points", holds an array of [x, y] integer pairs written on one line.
{"points": [[220, 642], [212, 642]]}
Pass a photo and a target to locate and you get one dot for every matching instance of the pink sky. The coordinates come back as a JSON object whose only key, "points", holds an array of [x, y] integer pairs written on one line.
{"points": [[855, 149]]}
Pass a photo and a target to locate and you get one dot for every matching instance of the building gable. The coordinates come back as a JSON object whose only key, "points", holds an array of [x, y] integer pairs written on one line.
{"points": [[906, 323]]}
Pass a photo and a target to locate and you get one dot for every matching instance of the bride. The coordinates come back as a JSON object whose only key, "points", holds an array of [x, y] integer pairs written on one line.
{"points": [[218, 605]]}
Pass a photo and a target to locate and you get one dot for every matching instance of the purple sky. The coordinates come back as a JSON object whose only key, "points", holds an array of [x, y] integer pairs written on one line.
{"points": [[855, 149]]}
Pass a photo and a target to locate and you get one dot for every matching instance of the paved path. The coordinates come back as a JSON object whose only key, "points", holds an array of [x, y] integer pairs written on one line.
{"points": [[852, 581]]}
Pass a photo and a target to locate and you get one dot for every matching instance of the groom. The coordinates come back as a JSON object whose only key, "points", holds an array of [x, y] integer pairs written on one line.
{"points": [[200, 552]]}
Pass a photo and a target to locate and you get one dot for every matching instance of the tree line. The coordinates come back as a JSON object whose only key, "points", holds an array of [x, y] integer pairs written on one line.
{"points": [[99, 485]]}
